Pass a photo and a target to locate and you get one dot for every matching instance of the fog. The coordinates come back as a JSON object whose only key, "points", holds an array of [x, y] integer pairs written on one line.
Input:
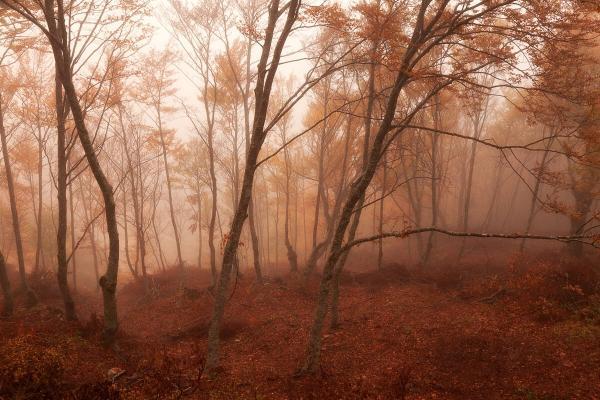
{"points": [[349, 153]]}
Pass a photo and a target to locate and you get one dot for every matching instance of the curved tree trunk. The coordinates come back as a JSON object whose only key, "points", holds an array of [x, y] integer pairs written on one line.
{"points": [[356, 219], [264, 82], [60, 49]]}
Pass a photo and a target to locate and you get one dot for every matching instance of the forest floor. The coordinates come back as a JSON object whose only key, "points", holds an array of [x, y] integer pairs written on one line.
{"points": [[527, 330]]}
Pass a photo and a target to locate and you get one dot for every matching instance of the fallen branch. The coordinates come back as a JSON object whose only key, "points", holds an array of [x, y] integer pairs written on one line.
{"points": [[591, 240], [492, 298]]}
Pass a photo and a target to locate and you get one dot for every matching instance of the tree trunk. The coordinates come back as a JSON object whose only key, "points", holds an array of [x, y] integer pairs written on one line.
{"points": [[73, 240], [381, 204], [39, 244], [213, 212], [95, 254], [536, 190], [60, 49], [434, 177], [365, 157], [291, 253], [7, 311], [133, 270], [478, 121], [30, 295], [264, 82], [357, 192], [170, 196], [199, 222], [61, 195]]}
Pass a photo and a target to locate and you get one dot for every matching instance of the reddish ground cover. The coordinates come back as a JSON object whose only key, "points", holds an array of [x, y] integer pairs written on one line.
{"points": [[510, 333]]}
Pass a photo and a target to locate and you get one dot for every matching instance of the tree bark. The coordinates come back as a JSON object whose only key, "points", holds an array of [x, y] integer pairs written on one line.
{"points": [[536, 190], [357, 192], [29, 293], [61, 196], [8, 308], [73, 240], [291, 253], [434, 178], [266, 75], [60, 48]]}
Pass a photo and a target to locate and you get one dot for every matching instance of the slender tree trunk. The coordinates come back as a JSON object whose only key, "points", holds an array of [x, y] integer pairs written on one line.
{"points": [[478, 125], [73, 240], [264, 82], [319, 249], [170, 195], [277, 195], [356, 219], [39, 243], [61, 236], [95, 254], [534, 195], [251, 222], [133, 271], [357, 192], [158, 244], [31, 297], [61, 51], [381, 204], [434, 178], [291, 253], [497, 184], [199, 222], [213, 210], [7, 311]]}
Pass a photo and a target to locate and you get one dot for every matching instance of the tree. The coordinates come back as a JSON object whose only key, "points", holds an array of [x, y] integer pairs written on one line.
{"points": [[267, 68], [433, 24], [51, 20], [157, 85], [30, 294]]}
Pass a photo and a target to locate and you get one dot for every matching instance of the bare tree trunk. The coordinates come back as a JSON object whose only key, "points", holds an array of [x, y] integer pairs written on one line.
{"points": [[199, 222], [356, 219], [277, 195], [497, 184], [381, 203], [138, 209], [291, 253], [536, 190], [61, 236], [357, 192], [133, 270], [264, 82], [95, 255], [60, 48], [158, 244], [319, 249], [8, 308], [213, 213], [31, 297], [170, 196], [251, 221], [39, 243], [73, 240], [478, 121], [434, 177]]}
